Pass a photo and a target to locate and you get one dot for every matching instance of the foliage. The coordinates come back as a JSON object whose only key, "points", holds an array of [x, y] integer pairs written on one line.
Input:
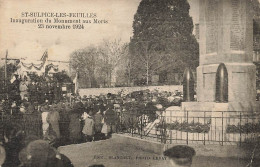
{"points": [[193, 127], [84, 61], [256, 8], [35, 77], [163, 39], [257, 75], [11, 68], [62, 77], [114, 54], [246, 128], [98, 65]]}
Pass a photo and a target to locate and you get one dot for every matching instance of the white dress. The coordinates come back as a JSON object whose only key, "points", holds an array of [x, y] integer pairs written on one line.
{"points": [[45, 124]]}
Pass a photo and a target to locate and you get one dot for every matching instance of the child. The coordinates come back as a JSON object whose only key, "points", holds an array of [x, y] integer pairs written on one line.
{"points": [[88, 129]]}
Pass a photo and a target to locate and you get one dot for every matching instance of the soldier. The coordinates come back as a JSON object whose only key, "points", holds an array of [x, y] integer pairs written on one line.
{"points": [[180, 156]]}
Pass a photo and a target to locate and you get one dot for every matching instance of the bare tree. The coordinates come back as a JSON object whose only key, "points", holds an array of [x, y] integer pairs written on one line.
{"points": [[99, 64], [113, 53], [86, 61], [150, 61]]}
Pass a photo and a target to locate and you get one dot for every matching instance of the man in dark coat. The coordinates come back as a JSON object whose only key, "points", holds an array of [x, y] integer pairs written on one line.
{"points": [[33, 92], [74, 126], [50, 93], [14, 90], [110, 120]]}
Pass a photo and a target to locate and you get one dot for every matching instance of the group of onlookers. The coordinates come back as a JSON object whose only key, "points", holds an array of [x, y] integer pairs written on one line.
{"points": [[47, 88], [73, 120]]}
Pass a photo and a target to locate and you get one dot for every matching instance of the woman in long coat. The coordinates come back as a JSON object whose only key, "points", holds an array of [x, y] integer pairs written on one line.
{"points": [[53, 119], [110, 119], [75, 126], [98, 122]]}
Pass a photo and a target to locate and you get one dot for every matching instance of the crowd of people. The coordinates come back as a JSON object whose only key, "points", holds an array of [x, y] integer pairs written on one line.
{"points": [[36, 115], [36, 90]]}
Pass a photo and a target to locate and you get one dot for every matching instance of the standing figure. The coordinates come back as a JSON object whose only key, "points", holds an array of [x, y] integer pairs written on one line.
{"points": [[98, 123], [50, 93], [45, 111], [53, 120], [57, 91], [23, 89], [14, 90], [33, 90], [88, 129], [110, 118], [75, 126]]}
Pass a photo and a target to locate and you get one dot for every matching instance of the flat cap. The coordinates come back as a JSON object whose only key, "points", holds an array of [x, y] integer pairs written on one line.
{"points": [[180, 151]]}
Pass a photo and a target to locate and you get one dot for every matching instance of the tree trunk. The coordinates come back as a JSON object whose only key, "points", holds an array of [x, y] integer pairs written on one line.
{"points": [[129, 74], [92, 80], [110, 78], [113, 76], [129, 80], [147, 73]]}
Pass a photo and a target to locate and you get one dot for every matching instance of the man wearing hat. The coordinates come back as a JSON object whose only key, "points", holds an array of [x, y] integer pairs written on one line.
{"points": [[180, 156], [39, 153]]}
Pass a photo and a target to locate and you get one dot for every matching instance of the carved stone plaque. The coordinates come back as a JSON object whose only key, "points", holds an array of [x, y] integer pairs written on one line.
{"points": [[237, 29], [211, 26]]}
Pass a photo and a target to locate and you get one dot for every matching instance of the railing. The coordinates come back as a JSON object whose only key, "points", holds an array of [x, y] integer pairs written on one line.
{"points": [[207, 127], [30, 124]]}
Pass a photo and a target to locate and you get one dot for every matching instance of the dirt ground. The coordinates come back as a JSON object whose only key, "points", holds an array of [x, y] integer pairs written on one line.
{"points": [[112, 154]]}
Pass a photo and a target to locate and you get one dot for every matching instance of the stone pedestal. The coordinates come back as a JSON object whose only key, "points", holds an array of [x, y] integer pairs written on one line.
{"points": [[226, 36], [241, 83]]}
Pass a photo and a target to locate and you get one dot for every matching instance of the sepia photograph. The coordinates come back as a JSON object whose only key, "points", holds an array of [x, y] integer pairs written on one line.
{"points": [[130, 83]]}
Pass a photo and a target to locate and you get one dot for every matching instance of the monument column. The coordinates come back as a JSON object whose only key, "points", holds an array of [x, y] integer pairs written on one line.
{"points": [[226, 36]]}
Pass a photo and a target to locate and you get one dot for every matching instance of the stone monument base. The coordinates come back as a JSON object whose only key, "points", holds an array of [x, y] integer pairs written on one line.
{"points": [[241, 85], [213, 106]]}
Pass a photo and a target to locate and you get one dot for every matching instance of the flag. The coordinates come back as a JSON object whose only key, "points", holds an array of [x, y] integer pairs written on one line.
{"points": [[12, 79], [75, 81], [44, 56], [44, 60]]}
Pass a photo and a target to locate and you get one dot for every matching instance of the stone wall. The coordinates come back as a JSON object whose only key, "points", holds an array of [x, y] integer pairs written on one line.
{"points": [[98, 91]]}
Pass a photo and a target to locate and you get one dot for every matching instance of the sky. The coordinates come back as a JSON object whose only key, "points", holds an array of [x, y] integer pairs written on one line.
{"points": [[27, 41]]}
